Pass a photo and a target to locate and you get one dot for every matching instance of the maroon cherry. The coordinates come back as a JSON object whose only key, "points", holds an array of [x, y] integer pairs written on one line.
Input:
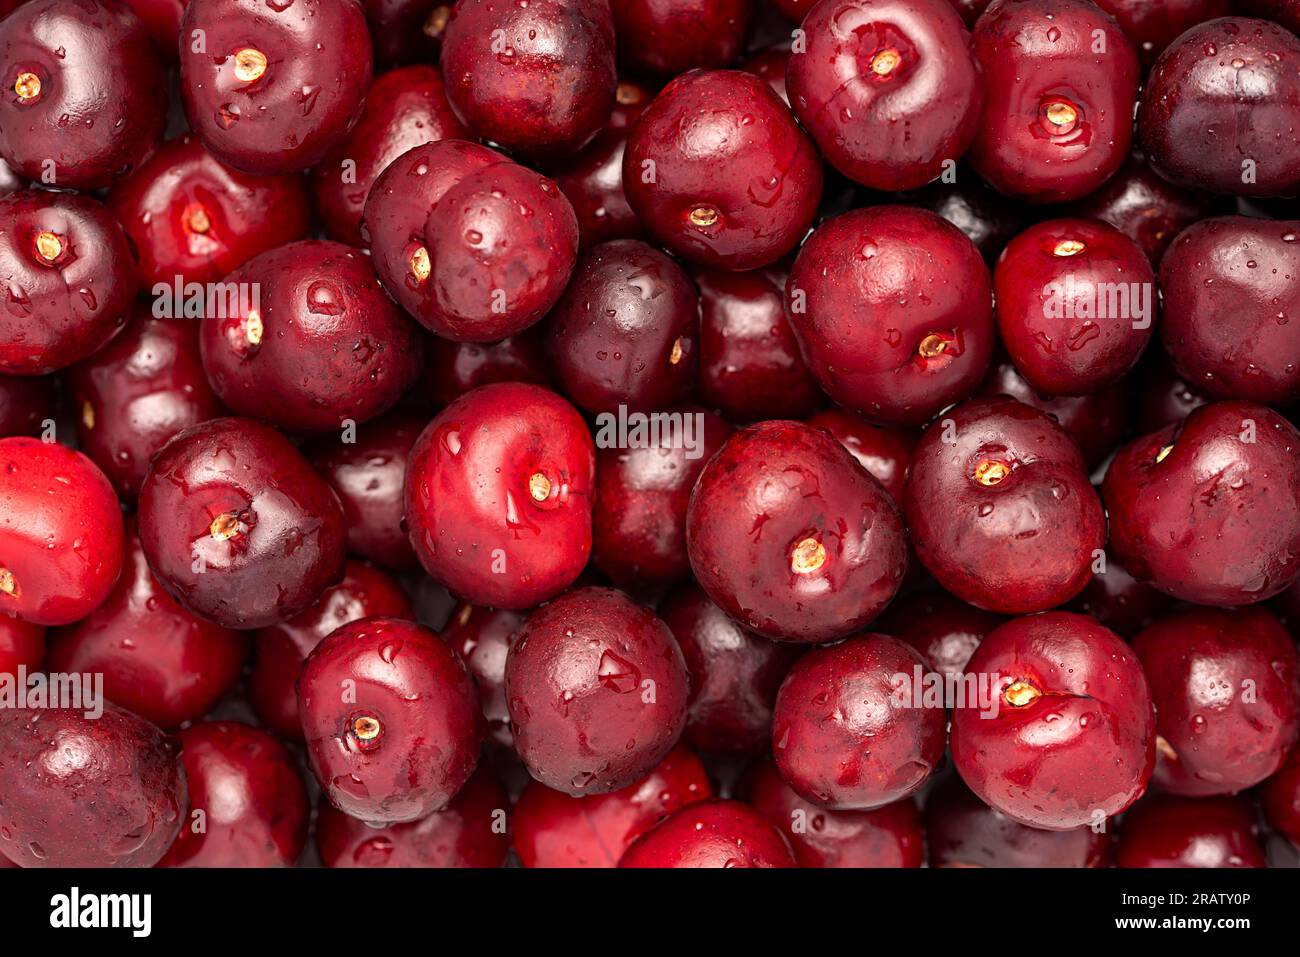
{"points": [[106, 791], [189, 215], [713, 833], [1166, 398], [61, 533], [162, 18], [893, 308], [889, 89], [1000, 507], [404, 109], [319, 347], [22, 644], [482, 637], [363, 592], [719, 172], [1153, 26], [597, 689], [455, 368], [469, 832], [1280, 798], [791, 537], [85, 95], [945, 630], [1208, 510], [989, 219], [1168, 831], [70, 280], [1119, 601], [25, 403], [1066, 734], [771, 64], [407, 31], [885, 453], [391, 719], [237, 526], [133, 395], [271, 89], [668, 37], [1062, 79], [498, 495], [537, 77], [251, 795]]}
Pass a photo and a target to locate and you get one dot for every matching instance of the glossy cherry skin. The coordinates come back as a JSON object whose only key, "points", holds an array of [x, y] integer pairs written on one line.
{"points": [[889, 89], [1076, 303], [1168, 831], [61, 533], [162, 18], [597, 690], [592, 178], [404, 109], [538, 78], [25, 402], [87, 792], [321, 346], [1204, 115], [406, 31], [791, 537], [963, 831], [70, 280], [498, 495], [158, 660], [893, 309], [482, 637], [625, 331], [1153, 26], [770, 63], [468, 832], [889, 836], [885, 453], [1119, 601], [455, 368], [1280, 798], [188, 214], [22, 644], [1209, 510], [1072, 741], [1058, 117], [133, 395], [85, 95], [749, 363], [989, 219], [734, 673], [368, 474], [1284, 12], [237, 526], [1147, 208], [840, 737], [639, 509], [666, 37], [407, 738], [274, 88], [1226, 686], [945, 630], [552, 829], [1165, 398], [1226, 322], [363, 592], [1000, 508], [254, 803], [719, 172], [711, 834]]}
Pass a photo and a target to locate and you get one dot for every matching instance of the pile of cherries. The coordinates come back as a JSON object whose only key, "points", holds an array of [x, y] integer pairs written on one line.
{"points": [[947, 344]]}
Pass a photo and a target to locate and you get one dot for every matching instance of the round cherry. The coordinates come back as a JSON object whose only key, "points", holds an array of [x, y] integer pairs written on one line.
{"points": [[667, 37], [1169, 831], [885, 453], [1153, 26], [945, 630], [1280, 798], [714, 833], [482, 637], [455, 368]]}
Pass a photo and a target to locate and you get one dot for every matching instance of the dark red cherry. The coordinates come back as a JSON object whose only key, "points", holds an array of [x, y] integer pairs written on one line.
{"points": [[597, 689], [537, 78], [363, 592], [1153, 26], [1000, 507], [469, 832], [1166, 398], [791, 537], [944, 629], [1119, 601], [188, 215], [162, 18], [25, 403], [893, 308], [1284, 12], [989, 219], [1062, 80], [889, 89], [1168, 831], [1280, 798], [719, 172], [626, 329], [252, 798], [712, 833], [70, 280], [885, 453], [273, 88], [22, 644], [406, 31], [482, 637], [771, 64], [237, 526], [454, 368], [1208, 510], [498, 495], [404, 109], [667, 37], [84, 92], [750, 366], [406, 738], [61, 533]]}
